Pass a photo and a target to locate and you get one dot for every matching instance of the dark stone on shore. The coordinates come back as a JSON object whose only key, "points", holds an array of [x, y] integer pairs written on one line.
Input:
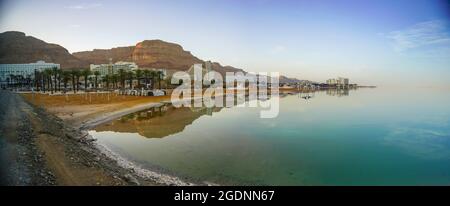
{"points": [[131, 179]]}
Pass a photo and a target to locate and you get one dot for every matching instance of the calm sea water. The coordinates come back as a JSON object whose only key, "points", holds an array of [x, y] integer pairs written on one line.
{"points": [[359, 137]]}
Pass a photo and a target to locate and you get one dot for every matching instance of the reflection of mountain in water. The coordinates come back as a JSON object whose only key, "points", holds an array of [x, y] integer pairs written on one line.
{"points": [[167, 120], [157, 123]]}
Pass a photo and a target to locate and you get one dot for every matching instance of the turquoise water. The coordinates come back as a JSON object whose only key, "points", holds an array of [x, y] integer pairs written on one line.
{"points": [[360, 137]]}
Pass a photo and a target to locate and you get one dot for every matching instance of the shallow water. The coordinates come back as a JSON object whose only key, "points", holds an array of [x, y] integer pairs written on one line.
{"points": [[356, 137]]}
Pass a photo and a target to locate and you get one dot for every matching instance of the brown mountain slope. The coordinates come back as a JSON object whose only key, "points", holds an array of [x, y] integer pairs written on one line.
{"points": [[102, 56], [149, 53], [16, 47], [157, 53]]}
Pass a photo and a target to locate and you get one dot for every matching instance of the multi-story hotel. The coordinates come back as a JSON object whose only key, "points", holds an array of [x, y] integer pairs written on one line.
{"points": [[24, 70], [342, 82], [110, 69]]}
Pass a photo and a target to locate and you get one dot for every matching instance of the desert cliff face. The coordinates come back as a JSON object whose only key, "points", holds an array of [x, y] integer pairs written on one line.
{"points": [[102, 56], [160, 54], [17, 48]]}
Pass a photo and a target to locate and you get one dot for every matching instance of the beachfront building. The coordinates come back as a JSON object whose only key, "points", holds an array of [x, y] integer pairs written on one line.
{"points": [[23, 70], [343, 81], [339, 82], [331, 82], [110, 69]]}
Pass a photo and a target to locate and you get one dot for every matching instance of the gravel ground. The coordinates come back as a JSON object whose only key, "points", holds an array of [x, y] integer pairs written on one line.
{"points": [[22, 163]]}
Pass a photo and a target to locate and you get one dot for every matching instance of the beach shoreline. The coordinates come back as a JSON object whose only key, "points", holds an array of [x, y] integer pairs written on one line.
{"points": [[76, 114], [76, 138]]}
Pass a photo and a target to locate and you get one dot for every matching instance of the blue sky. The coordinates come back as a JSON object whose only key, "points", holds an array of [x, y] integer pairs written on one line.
{"points": [[372, 42]]}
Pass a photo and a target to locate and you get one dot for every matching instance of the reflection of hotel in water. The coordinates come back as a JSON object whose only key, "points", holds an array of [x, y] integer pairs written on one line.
{"points": [[337, 92]]}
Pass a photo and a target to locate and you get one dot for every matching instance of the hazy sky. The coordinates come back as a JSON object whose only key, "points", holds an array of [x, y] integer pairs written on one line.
{"points": [[371, 42]]}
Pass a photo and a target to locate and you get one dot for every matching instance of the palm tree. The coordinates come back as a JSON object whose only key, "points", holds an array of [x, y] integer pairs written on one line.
{"points": [[8, 79], [152, 78], [55, 73], [21, 81], [50, 75], [138, 77], [28, 81], [45, 77], [96, 73], [122, 77], [85, 74], [12, 78], [106, 79], [73, 75], [66, 75], [36, 79], [114, 79], [130, 75], [42, 78], [160, 76], [60, 78], [146, 76], [77, 76]]}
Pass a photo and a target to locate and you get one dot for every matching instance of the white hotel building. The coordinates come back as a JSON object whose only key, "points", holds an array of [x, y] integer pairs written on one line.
{"points": [[340, 81], [24, 70], [110, 69]]}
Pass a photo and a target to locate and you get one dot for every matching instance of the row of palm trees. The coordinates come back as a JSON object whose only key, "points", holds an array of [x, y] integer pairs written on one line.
{"points": [[51, 79], [16, 81], [122, 76]]}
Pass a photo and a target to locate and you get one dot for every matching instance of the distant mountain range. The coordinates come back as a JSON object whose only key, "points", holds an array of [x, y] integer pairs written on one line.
{"points": [[16, 47]]}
